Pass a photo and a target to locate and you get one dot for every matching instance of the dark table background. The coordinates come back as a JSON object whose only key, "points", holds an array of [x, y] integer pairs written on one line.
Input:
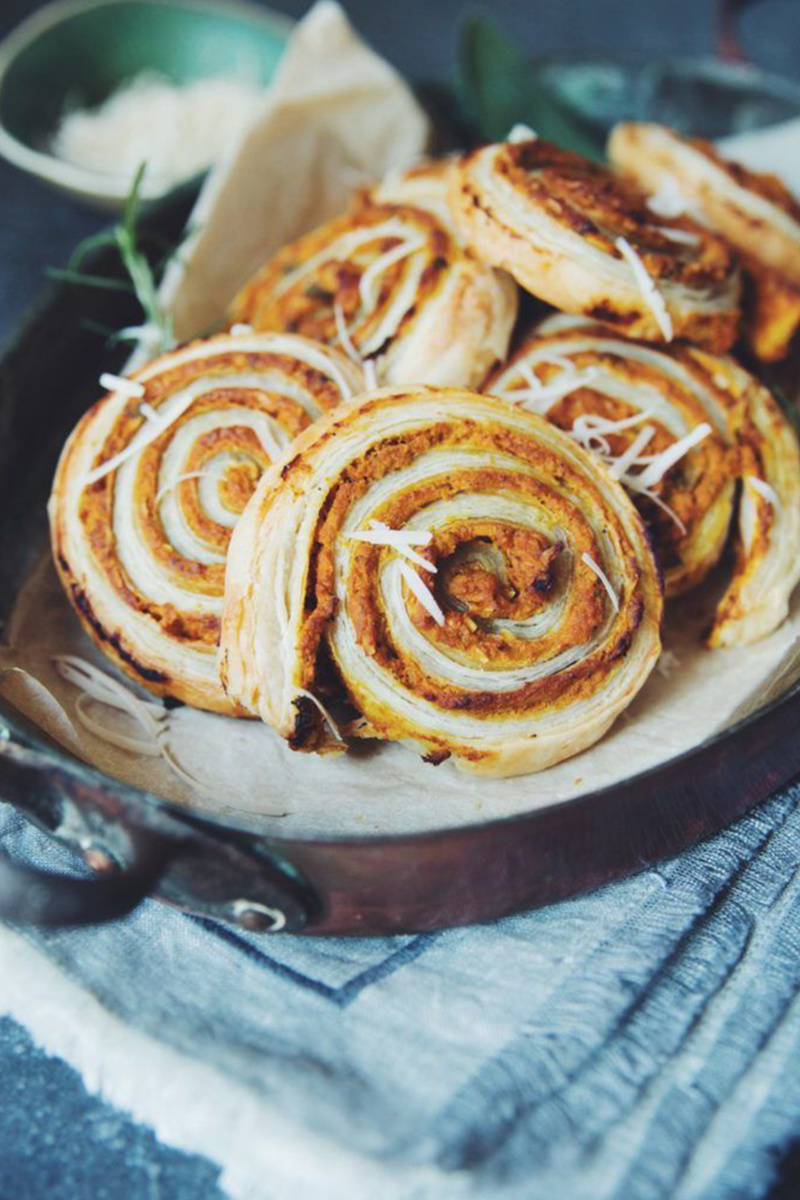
{"points": [[55, 1140]]}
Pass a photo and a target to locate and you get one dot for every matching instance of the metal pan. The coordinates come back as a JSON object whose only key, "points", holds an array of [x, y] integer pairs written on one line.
{"points": [[140, 845]]}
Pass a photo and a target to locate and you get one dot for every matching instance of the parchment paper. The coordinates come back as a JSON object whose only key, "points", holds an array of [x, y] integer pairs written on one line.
{"points": [[334, 116], [335, 107], [246, 769]]}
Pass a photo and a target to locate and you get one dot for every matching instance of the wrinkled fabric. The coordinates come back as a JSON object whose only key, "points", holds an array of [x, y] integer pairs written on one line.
{"points": [[636, 1043]]}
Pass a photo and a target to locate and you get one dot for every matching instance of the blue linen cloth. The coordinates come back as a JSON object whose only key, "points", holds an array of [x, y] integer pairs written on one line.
{"points": [[636, 1043]]}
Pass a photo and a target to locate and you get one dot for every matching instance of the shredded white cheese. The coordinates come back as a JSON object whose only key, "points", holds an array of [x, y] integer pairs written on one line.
{"points": [[658, 468], [597, 423], [168, 487], [647, 288], [531, 378], [343, 334], [682, 236], [370, 374], [329, 721], [102, 687], [154, 426], [178, 129], [668, 202], [522, 133], [366, 284], [400, 540], [659, 503], [386, 536], [601, 575], [241, 329], [421, 592], [149, 413], [125, 387], [542, 396], [97, 686], [765, 490], [620, 466], [589, 429], [148, 747], [151, 716], [558, 360], [147, 332], [349, 347]]}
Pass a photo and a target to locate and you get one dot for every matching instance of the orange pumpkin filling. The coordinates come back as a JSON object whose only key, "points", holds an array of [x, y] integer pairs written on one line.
{"points": [[490, 574]]}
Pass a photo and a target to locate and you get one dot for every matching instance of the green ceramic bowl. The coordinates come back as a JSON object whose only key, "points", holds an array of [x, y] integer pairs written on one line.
{"points": [[75, 53]]}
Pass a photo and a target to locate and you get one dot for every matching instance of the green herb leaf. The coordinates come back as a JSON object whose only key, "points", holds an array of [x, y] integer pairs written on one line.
{"points": [[142, 278], [97, 241], [138, 267], [81, 279], [500, 87]]}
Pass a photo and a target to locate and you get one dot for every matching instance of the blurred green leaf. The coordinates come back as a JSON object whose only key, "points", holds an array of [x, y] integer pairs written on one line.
{"points": [[142, 281], [500, 87], [81, 279]]}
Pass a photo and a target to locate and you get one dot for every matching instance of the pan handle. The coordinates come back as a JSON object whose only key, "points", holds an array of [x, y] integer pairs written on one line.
{"points": [[241, 880], [32, 897]]}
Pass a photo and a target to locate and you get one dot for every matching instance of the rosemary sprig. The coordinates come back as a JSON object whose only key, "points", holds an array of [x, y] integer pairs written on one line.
{"points": [[69, 275], [156, 329]]}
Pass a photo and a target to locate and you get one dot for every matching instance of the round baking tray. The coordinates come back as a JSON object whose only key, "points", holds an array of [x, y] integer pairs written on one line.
{"points": [[139, 844]]}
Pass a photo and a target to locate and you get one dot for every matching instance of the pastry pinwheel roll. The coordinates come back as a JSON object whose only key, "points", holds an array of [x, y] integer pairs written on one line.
{"points": [[391, 284], [755, 212], [426, 186], [573, 234], [457, 571], [151, 483], [690, 435]]}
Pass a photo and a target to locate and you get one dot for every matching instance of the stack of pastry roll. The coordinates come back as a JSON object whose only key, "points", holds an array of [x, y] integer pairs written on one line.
{"points": [[153, 480], [755, 213], [472, 558]]}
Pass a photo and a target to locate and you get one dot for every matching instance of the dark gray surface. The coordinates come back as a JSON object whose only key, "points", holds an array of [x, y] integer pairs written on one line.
{"points": [[55, 1140]]}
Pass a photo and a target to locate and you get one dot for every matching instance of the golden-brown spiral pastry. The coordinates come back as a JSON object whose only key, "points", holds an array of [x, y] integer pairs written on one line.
{"points": [[574, 235], [682, 429], [771, 311], [755, 212], [460, 572], [391, 283], [154, 478], [426, 186]]}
